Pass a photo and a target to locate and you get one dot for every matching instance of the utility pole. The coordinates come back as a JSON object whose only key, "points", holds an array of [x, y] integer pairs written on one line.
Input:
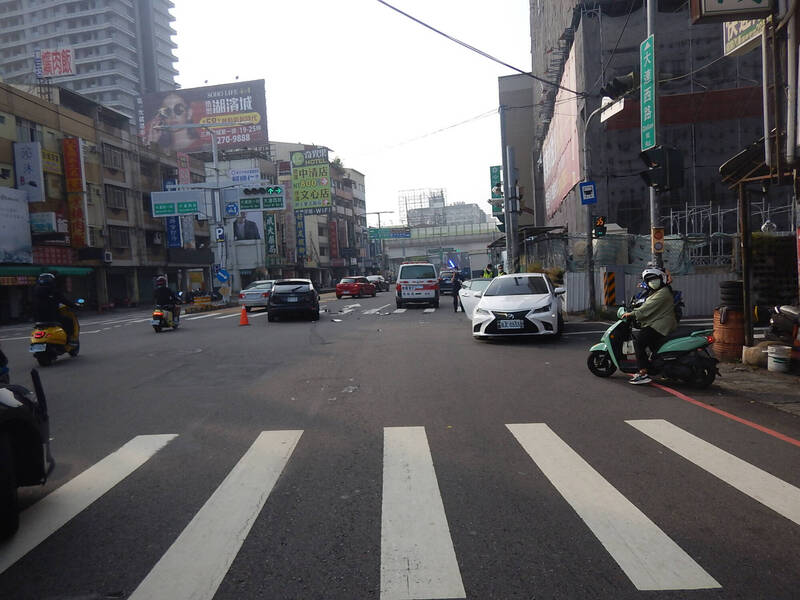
{"points": [[380, 235], [508, 202], [589, 221], [655, 209]]}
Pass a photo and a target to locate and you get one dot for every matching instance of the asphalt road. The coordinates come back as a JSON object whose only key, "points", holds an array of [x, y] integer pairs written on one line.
{"points": [[382, 454]]}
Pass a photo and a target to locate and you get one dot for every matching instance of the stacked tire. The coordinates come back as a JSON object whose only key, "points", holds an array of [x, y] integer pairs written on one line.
{"points": [[731, 294]]}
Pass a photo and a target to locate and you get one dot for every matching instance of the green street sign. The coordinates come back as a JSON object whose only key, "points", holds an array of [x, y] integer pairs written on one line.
{"points": [[250, 203], [187, 208], [273, 203], [647, 92], [164, 209], [495, 175]]}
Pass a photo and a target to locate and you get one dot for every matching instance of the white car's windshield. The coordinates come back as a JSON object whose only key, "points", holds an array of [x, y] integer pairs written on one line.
{"points": [[517, 286]]}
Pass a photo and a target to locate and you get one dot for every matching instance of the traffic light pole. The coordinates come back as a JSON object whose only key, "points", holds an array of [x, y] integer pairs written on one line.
{"points": [[655, 210], [589, 221]]}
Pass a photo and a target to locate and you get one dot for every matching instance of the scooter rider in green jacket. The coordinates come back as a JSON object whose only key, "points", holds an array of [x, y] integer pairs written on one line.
{"points": [[656, 318]]}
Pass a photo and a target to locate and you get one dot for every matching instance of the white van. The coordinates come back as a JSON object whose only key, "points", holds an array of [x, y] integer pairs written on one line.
{"points": [[417, 283]]}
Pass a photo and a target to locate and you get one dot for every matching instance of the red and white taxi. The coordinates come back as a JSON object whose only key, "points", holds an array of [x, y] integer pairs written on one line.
{"points": [[417, 283]]}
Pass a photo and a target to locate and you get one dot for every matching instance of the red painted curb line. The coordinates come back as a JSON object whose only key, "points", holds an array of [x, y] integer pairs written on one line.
{"points": [[767, 430]]}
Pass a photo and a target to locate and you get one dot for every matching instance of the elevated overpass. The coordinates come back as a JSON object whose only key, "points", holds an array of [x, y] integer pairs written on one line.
{"points": [[445, 243]]}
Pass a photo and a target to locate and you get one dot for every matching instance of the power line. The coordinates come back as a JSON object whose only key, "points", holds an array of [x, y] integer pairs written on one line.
{"points": [[619, 39], [476, 50]]}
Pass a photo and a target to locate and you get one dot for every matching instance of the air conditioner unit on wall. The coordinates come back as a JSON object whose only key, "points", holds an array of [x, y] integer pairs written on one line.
{"points": [[107, 256]]}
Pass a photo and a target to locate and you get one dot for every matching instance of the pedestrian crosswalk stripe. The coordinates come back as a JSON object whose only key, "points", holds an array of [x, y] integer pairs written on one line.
{"points": [[772, 492], [650, 559], [198, 560], [374, 311], [429, 310], [56, 509], [399, 311], [417, 555]]}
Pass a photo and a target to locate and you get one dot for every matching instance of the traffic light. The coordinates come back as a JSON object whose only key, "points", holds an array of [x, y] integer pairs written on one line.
{"points": [[664, 168], [272, 190], [619, 86], [599, 227]]}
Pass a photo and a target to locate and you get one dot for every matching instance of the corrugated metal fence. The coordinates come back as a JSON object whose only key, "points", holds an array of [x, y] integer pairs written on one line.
{"points": [[700, 291]]}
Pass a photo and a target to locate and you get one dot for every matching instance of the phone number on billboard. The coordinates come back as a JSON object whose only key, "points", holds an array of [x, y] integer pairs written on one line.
{"points": [[233, 139]]}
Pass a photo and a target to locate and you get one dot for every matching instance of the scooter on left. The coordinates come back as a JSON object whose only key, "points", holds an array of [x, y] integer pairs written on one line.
{"points": [[49, 340], [25, 457]]}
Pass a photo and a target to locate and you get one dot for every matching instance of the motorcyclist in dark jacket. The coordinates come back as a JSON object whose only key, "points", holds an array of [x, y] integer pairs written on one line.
{"points": [[46, 299], [163, 296]]}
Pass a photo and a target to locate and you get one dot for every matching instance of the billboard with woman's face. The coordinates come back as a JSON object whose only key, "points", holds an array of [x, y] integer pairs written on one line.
{"points": [[236, 111]]}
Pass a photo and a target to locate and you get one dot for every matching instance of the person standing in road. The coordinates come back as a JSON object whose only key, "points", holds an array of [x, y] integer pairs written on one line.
{"points": [[488, 272], [456, 287], [500, 270]]}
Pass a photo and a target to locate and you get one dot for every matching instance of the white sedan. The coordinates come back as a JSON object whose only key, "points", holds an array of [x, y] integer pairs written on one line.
{"points": [[519, 304], [470, 294]]}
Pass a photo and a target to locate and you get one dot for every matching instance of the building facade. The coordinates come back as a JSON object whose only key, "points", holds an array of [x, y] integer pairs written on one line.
{"points": [[122, 48], [98, 233], [709, 108]]}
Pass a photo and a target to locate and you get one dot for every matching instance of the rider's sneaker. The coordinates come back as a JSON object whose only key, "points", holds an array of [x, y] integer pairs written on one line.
{"points": [[640, 379]]}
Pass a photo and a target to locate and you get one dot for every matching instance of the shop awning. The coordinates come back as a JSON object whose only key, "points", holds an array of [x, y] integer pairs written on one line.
{"points": [[33, 270]]}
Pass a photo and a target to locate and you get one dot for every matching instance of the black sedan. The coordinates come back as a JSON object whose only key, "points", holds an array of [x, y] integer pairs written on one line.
{"points": [[293, 297]]}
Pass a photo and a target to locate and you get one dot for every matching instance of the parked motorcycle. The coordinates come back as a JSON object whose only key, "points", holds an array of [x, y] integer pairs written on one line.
{"points": [[25, 457], [49, 340], [784, 324], [163, 318], [680, 357], [4, 375]]}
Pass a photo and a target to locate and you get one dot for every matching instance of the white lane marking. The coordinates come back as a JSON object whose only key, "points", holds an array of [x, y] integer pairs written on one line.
{"points": [[774, 493], [106, 328], [88, 332], [399, 311], [56, 509], [429, 310], [205, 316], [417, 555], [143, 320], [197, 561], [261, 314], [347, 311], [373, 311], [351, 306], [650, 559], [117, 321], [27, 337], [236, 314]]}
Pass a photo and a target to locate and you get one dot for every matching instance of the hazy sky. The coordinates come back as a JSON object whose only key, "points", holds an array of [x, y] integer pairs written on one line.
{"points": [[366, 81]]}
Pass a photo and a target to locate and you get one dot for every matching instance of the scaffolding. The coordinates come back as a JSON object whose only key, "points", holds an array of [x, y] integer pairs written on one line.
{"points": [[419, 199]]}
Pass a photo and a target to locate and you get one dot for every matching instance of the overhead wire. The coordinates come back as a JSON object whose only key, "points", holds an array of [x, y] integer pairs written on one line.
{"points": [[619, 39], [476, 50]]}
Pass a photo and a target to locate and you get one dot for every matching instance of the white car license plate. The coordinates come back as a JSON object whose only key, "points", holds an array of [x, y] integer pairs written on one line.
{"points": [[38, 347], [291, 299], [155, 322], [510, 324]]}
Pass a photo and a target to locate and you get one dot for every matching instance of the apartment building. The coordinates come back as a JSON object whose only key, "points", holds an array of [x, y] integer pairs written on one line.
{"points": [[122, 48]]}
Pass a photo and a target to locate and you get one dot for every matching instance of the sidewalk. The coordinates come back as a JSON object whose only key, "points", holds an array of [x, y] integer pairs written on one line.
{"points": [[781, 390]]}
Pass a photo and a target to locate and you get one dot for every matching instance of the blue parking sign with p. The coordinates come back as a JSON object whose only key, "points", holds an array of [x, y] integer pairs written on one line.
{"points": [[588, 192]]}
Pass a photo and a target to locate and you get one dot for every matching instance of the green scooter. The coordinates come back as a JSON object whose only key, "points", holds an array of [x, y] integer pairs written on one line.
{"points": [[680, 357]]}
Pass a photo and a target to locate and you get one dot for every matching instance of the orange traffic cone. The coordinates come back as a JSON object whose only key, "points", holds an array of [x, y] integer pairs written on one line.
{"points": [[243, 319]]}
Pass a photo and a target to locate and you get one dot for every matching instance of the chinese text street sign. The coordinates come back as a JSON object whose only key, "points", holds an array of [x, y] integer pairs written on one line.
{"points": [[647, 93]]}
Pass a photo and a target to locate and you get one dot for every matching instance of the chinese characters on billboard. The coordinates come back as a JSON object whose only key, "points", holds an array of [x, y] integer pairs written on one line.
{"points": [[311, 181], [54, 63], [76, 186], [28, 169], [218, 106], [270, 234]]}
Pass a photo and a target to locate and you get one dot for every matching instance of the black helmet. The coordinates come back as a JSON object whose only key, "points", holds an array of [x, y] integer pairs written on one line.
{"points": [[47, 279]]}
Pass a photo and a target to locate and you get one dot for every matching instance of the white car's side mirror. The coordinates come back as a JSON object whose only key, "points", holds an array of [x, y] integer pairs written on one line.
{"points": [[560, 290], [478, 294]]}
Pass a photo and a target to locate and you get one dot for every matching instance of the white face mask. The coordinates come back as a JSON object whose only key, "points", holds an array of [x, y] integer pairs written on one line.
{"points": [[654, 284]]}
